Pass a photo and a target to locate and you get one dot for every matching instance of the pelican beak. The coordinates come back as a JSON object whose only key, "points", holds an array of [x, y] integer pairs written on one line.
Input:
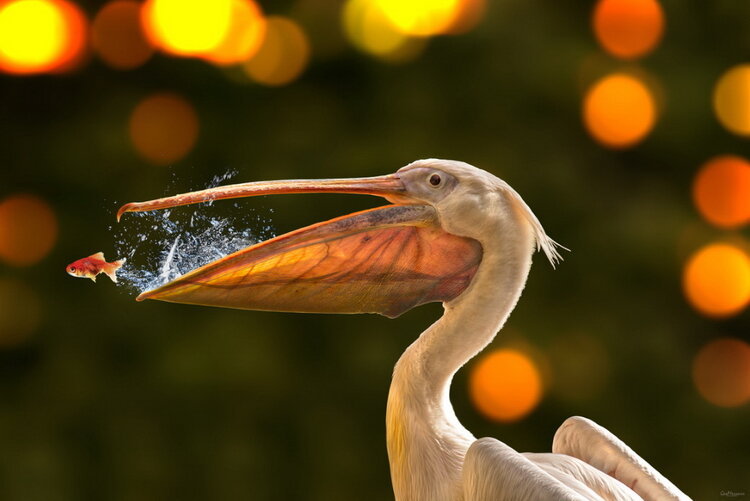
{"points": [[389, 187], [384, 260]]}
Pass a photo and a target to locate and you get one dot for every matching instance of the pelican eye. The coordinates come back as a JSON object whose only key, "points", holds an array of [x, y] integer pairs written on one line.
{"points": [[435, 180]]}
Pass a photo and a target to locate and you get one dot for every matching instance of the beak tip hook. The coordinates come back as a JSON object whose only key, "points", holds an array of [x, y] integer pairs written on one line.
{"points": [[122, 210]]}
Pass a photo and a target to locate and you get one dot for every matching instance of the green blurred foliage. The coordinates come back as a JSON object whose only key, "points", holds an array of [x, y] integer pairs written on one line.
{"points": [[113, 399]]}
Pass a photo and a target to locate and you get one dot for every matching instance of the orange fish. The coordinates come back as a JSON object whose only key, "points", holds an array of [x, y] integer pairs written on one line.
{"points": [[90, 267]]}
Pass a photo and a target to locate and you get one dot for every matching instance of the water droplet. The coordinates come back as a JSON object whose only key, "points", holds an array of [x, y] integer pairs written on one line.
{"points": [[163, 245]]}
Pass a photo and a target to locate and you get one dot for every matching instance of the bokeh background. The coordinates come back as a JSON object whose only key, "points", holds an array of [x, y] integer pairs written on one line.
{"points": [[624, 124]]}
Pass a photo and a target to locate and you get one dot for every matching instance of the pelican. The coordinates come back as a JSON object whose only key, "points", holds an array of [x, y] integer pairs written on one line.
{"points": [[452, 233]]}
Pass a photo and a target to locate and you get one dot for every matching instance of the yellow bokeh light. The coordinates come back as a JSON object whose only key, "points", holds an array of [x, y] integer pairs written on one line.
{"points": [[20, 312], [628, 28], [28, 229], [40, 36], [716, 280], [163, 128], [283, 56], [721, 372], [35, 48], [117, 35], [396, 31], [619, 110], [422, 18], [732, 100], [244, 37], [370, 30], [505, 385], [721, 191], [187, 27]]}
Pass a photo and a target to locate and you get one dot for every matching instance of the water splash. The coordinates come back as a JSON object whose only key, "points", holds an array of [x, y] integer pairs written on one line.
{"points": [[163, 245]]}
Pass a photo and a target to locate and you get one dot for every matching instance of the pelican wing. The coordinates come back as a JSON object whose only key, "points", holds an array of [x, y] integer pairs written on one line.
{"points": [[588, 463], [493, 471], [583, 477], [583, 439], [384, 260]]}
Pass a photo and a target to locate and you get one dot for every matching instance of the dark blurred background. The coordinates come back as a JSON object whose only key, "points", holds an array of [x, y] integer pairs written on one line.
{"points": [[105, 398]]}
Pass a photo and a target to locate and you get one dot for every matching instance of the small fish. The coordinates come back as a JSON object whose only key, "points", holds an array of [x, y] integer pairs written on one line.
{"points": [[90, 267]]}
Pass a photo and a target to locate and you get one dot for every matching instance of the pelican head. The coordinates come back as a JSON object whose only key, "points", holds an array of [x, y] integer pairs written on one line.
{"points": [[425, 247], [471, 202]]}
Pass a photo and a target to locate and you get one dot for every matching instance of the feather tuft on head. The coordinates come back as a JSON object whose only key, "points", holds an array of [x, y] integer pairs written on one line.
{"points": [[543, 242]]}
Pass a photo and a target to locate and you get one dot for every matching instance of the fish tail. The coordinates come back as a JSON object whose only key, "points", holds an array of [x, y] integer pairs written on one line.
{"points": [[111, 269]]}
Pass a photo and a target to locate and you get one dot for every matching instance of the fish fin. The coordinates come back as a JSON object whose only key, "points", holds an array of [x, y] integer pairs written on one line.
{"points": [[111, 269], [98, 255], [118, 264], [93, 278]]}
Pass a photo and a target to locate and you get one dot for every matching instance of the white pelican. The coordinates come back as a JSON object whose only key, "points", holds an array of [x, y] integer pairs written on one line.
{"points": [[455, 234]]}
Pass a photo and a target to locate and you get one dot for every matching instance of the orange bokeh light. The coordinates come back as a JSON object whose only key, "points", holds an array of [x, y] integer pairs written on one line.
{"points": [[721, 191], [244, 37], [721, 372], [117, 36], [76, 48], [28, 229], [619, 110], [716, 280], [163, 128], [468, 14], [628, 28], [731, 100], [283, 56], [505, 385], [38, 36]]}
